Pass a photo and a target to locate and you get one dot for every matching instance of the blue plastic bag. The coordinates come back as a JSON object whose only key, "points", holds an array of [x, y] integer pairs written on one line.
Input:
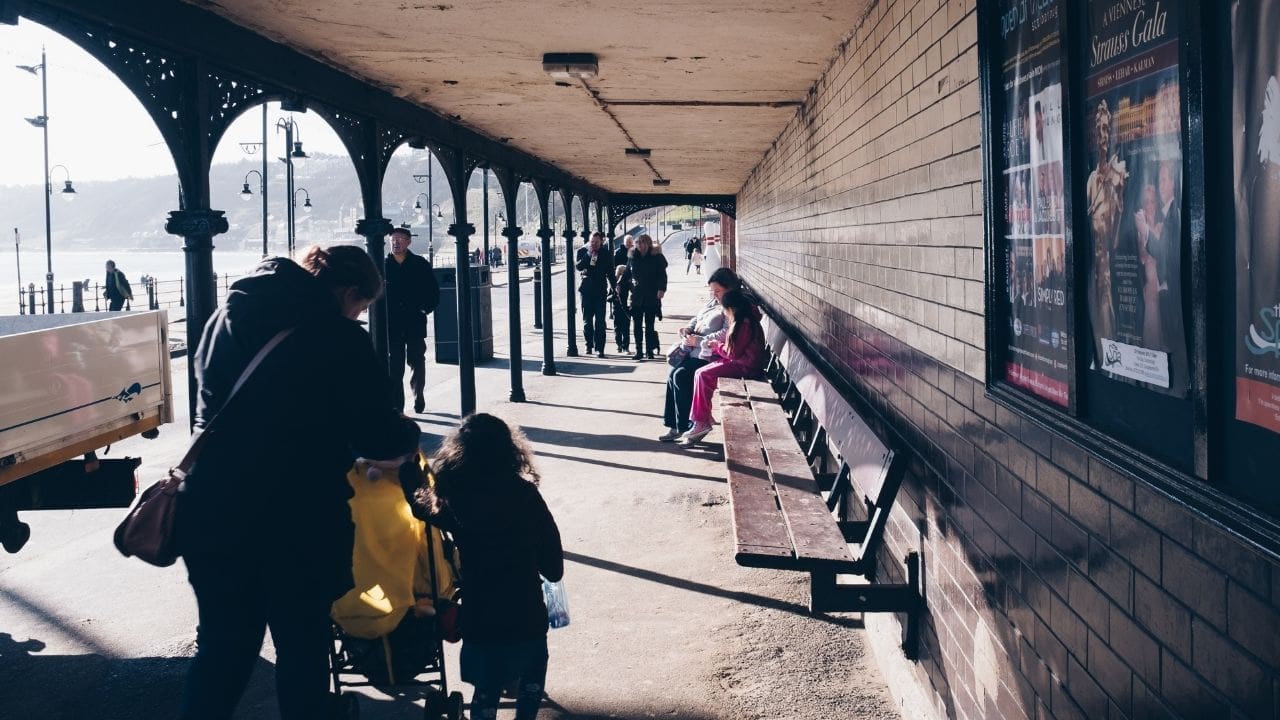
{"points": [[557, 603]]}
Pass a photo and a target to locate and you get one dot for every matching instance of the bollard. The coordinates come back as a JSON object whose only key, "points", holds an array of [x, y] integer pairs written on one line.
{"points": [[77, 296], [31, 299], [537, 296]]}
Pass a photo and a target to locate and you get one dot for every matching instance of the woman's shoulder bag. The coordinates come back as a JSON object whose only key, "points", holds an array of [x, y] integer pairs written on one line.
{"points": [[147, 531]]}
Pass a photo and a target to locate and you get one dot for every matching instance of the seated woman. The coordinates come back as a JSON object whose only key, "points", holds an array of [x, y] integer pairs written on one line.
{"points": [[707, 326], [741, 354]]}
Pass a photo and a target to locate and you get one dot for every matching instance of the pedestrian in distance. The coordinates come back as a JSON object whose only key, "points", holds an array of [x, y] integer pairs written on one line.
{"points": [[688, 255], [412, 294], [116, 287], [696, 259], [648, 269], [263, 521], [706, 327], [620, 298], [623, 253], [595, 268], [740, 355], [486, 494]]}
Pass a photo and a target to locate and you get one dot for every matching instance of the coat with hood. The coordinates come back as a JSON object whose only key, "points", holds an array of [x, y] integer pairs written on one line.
{"points": [[269, 486], [648, 278]]}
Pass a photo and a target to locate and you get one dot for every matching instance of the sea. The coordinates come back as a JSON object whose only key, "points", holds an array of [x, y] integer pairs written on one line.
{"points": [[69, 266]]}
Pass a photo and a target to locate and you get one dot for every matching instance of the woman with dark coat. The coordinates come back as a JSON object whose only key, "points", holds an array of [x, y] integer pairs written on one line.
{"points": [[648, 269], [263, 522]]}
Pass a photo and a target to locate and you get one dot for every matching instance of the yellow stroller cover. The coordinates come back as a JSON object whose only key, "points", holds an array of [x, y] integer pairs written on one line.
{"points": [[390, 562]]}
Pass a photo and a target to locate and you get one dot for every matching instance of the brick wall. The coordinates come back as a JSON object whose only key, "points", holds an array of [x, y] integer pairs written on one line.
{"points": [[1057, 587]]}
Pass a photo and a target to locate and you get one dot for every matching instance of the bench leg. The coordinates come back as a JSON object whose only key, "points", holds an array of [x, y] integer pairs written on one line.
{"points": [[826, 596]]}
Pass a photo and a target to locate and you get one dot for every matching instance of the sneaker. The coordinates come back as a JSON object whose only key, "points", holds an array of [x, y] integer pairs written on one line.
{"points": [[696, 433], [670, 435]]}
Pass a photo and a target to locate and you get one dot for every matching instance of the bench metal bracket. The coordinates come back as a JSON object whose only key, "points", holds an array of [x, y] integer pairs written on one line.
{"points": [[826, 596]]}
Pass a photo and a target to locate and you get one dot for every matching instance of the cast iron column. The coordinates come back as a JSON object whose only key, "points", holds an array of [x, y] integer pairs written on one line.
{"points": [[197, 226], [375, 231], [458, 168], [545, 233], [570, 303], [510, 188]]}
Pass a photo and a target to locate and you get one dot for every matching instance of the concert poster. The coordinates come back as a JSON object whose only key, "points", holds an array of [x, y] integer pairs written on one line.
{"points": [[1256, 100], [1039, 355], [1133, 194]]}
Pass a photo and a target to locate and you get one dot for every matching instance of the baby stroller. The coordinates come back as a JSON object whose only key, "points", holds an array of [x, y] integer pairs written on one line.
{"points": [[388, 631]]}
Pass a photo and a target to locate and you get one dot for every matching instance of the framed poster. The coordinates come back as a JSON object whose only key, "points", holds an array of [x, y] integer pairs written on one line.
{"points": [[1256, 165], [1133, 195], [1039, 350]]}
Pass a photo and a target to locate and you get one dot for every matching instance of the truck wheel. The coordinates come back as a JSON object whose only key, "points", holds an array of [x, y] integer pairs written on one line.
{"points": [[14, 535]]}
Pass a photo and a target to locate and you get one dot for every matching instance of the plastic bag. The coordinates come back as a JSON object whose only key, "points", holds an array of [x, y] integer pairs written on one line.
{"points": [[557, 603]]}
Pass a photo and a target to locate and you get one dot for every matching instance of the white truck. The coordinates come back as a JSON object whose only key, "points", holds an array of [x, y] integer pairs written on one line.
{"points": [[70, 385]]}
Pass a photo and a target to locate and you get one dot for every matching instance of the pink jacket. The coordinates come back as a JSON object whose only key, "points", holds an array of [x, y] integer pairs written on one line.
{"points": [[749, 354]]}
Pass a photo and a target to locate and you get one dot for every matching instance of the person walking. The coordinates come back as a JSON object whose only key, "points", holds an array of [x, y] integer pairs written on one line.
{"points": [[623, 253], [696, 259], [595, 268], [621, 301], [116, 287], [486, 494], [412, 294], [648, 269], [741, 354], [706, 326], [688, 253], [262, 520]]}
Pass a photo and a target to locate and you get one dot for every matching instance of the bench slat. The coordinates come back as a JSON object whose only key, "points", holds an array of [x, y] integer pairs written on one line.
{"points": [[759, 527], [814, 532]]}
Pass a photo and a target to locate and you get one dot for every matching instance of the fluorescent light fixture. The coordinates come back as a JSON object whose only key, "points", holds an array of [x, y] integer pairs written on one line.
{"points": [[569, 66]]}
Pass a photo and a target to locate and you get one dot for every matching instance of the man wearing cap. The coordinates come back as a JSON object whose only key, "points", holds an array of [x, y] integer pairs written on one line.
{"points": [[412, 294]]}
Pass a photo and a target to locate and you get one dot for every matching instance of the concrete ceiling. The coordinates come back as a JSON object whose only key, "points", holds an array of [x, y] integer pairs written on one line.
{"points": [[706, 85]]}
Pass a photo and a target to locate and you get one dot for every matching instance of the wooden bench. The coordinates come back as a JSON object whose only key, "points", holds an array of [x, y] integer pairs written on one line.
{"points": [[782, 512]]}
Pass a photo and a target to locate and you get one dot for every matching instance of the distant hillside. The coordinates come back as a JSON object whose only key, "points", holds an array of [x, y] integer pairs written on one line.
{"points": [[130, 213]]}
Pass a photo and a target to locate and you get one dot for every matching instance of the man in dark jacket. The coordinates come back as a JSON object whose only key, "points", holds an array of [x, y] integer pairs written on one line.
{"points": [[595, 268], [623, 253], [412, 294], [116, 287]]}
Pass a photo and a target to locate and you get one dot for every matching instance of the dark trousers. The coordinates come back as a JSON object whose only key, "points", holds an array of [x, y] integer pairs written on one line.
{"points": [[642, 327], [680, 393], [114, 304], [593, 312], [411, 350], [622, 327], [237, 601], [491, 667]]}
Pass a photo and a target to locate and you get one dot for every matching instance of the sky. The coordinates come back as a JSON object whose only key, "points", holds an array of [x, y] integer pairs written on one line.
{"points": [[97, 128]]}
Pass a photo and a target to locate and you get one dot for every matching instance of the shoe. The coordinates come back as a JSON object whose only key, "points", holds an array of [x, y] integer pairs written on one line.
{"points": [[652, 356], [638, 356], [696, 433], [669, 436], [419, 404], [600, 354]]}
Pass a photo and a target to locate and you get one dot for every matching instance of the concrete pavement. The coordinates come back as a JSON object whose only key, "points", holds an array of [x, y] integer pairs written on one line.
{"points": [[664, 624]]}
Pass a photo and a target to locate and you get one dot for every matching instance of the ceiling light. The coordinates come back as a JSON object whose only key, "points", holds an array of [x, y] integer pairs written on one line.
{"points": [[638, 152], [661, 182], [567, 66]]}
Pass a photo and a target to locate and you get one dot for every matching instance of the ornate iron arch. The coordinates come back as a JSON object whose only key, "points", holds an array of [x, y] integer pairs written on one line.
{"points": [[623, 205]]}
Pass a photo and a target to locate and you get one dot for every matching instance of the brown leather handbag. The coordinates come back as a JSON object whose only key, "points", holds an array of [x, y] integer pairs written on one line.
{"points": [[147, 532]]}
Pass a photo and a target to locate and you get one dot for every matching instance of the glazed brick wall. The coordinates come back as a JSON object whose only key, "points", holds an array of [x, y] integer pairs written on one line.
{"points": [[1057, 587]]}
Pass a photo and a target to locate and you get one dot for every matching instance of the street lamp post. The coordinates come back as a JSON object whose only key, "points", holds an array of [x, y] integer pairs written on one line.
{"points": [[293, 155], [250, 148], [431, 218], [68, 192], [306, 206], [246, 194], [435, 213]]}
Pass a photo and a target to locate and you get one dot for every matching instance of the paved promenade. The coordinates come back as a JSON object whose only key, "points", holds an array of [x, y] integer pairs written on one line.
{"points": [[664, 624]]}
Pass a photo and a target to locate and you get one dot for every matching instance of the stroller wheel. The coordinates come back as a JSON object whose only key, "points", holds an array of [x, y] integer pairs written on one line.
{"points": [[454, 706], [435, 706]]}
